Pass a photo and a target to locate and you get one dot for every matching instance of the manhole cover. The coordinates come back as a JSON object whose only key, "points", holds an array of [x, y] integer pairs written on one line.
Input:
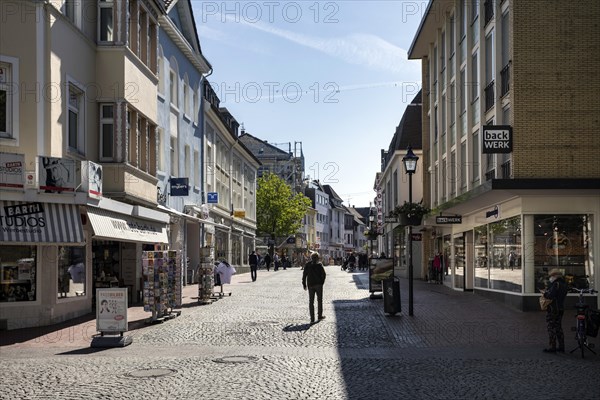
{"points": [[151, 373], [236, 359]]}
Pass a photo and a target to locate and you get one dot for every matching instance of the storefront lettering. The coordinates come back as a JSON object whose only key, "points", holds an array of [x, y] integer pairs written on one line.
{"points": [[23, 209], [133, 226], [26, 222]]}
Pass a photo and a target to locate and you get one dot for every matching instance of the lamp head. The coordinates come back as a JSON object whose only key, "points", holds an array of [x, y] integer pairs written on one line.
{"points": [[410, 161]]}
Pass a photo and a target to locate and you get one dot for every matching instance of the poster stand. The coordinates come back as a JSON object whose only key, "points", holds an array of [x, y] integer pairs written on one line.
{"points": [[379, 270], [206, 277], [162, 278], [111, 318]]}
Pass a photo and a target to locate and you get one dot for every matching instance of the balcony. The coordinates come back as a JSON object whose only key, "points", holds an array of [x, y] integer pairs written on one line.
{"points": [[505, 80], [489, 96], [123, 181]]}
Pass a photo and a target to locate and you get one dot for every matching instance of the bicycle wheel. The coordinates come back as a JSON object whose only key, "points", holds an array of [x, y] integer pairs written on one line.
{"points": [[581, 338]]}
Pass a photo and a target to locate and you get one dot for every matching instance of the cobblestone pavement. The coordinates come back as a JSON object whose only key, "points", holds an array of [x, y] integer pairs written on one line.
{"points": [[257, 344]]}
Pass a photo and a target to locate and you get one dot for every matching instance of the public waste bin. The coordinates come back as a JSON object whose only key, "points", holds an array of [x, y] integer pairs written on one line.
{"points": [[391, 296]]}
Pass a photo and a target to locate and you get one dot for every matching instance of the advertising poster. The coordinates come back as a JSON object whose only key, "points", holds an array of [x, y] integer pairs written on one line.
{"points": [[92, 179], [57, 175], [111, 310], [380, 269], [11, 170]]}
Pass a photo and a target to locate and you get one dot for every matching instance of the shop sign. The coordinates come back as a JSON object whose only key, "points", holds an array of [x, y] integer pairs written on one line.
{"points": [[92, 179], [180, 186], [241, 213], [416, 237], [493, 213], [111, 310], [11, 170], [497, 139], [57, 175], [212, 198], [391, 220], [441, 220]]}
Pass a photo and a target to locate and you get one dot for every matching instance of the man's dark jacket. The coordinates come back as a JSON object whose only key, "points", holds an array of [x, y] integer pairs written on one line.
{"points": [[313, 275]]}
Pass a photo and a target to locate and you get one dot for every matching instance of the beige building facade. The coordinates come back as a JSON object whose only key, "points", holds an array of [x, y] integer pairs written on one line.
{"points": [[511, 140]]}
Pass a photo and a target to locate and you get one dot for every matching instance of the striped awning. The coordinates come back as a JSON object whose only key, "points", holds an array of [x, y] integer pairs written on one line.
{"points": [[110, 225], [33, 222]]}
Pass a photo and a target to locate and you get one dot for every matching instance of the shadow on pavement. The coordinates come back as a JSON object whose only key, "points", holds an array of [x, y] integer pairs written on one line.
{"points": [[297, 327], [15, 336], [83, 351]]}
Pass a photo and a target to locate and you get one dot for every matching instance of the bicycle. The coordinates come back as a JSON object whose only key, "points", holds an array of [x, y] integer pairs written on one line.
{"points": [[582, 316]]}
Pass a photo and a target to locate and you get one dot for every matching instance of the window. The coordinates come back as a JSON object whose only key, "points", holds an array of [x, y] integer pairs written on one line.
{"points": [[474, 78], [463, 92], [186, 97], [9, 102], [173, 151], [173, 87], [396, 184], [75, 119], [463, 167], [463, 19], [106, 132], [475, 157], [489, 57], [196, 168], [105, 26], [72, 10], [71, 272], [186, 161], [505, 38], [138, 142], [18, 273]]}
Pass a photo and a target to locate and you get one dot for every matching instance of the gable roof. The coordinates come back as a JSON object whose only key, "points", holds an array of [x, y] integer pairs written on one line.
{"points": [[262, 149], [409, 130]]}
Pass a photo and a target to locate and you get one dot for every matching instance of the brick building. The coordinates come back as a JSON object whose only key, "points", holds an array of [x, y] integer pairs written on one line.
{"points": [[511, 138]]}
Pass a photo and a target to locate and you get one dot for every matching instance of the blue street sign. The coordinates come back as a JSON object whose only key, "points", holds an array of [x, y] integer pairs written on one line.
{"points": [[212, 197]]}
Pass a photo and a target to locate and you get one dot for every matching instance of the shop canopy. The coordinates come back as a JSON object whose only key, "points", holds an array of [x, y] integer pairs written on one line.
{"points": [[110, 225], [33, 222]]}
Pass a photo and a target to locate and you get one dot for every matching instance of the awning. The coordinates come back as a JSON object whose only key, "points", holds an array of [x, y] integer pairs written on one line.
{"points": [[34, 222], [114, 226]]}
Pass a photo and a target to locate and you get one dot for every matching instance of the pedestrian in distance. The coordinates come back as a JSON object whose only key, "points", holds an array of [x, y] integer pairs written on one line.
{"points": [[268, 261], [313, 278], [557, 292], [253, 261]]}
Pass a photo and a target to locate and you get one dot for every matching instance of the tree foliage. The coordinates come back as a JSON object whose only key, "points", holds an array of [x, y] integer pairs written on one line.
{"points": [[279, 212]]}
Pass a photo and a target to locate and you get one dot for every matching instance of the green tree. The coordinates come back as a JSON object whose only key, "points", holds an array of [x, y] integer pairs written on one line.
{"points": [[279, 212]]}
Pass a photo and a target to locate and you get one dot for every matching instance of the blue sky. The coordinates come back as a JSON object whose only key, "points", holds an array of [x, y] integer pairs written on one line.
{"points": [[331, 74]]}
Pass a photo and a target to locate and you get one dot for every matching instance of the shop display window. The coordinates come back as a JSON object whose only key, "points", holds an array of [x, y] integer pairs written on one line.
{"points": [[563, 242], [71, 271], [498, 259], [17, 273]]}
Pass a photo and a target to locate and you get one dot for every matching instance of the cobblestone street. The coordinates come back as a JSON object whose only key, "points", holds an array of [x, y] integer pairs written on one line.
{"points": [[258, 344]]}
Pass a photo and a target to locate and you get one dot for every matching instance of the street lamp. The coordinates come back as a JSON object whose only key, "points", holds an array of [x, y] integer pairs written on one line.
{"points": [[371, 221], [410, 165]]}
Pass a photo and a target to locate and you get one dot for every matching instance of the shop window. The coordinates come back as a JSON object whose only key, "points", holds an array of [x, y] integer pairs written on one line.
{"points": [[71, 272], [505, 255], [563, 242], [17, 273]]}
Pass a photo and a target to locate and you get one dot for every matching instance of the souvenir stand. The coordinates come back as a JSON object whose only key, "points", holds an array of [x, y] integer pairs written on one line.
{"points": [[206, 279], [162, 277]]}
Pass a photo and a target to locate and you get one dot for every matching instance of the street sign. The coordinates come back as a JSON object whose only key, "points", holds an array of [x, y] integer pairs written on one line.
{"points": [[441, 220], [212, 197], [391, 220]]}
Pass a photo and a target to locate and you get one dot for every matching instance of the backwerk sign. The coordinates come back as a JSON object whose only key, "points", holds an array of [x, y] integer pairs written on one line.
{"points": [[497, 139]]}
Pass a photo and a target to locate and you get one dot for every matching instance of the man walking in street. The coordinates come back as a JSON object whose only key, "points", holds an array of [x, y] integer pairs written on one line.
{"points": [[313, 278], [253, 261]]}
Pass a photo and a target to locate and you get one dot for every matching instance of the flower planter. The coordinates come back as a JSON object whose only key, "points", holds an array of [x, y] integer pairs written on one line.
{"points": [[405, 220]]}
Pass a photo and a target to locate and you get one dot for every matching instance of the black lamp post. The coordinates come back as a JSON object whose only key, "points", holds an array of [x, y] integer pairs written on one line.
{"points": [[410, 165], [371, 221]]}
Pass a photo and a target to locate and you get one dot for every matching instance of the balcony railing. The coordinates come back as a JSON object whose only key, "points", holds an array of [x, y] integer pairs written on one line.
{"points": [[505, 80], [489, 96], [505, 170], [490, 175]]}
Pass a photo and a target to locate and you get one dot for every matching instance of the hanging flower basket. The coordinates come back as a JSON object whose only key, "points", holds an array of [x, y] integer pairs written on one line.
{"points": [[413, 220], [410, 214]]}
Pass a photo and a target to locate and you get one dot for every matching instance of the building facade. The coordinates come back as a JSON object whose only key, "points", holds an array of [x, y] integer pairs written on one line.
{"points": [[510, 142]]}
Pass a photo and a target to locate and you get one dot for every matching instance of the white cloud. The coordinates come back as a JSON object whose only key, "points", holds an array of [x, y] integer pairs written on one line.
{"points": [[359, 49]]}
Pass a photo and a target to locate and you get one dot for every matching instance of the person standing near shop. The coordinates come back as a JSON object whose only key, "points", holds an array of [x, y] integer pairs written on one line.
{"points": [[313, 278], [253, 261], [557, 291]]}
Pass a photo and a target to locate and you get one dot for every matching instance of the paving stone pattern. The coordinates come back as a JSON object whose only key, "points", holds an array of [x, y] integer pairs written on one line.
{"points": [[258, 344]]}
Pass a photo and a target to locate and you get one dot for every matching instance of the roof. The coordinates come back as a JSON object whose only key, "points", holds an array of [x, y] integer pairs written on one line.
{"points": [[433, 18], [262, 149], [333, 197], [409, 130]]}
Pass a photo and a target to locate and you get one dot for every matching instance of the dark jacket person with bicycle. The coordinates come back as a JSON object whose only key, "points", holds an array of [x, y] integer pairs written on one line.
{"points": [[557, 292]]}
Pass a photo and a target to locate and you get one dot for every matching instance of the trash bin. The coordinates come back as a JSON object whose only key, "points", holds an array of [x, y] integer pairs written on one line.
{"points": [[391, 296]]}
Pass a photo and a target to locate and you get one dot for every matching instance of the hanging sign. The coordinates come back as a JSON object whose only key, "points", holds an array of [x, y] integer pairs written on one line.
{"points": [[180, 186], [212, 197], [57, 175], [494, 213], [497, 139], [442, 220], [12, 167]]}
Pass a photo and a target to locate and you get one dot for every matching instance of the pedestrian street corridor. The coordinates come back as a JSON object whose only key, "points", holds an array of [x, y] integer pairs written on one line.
{"points": [[258, 344]]}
